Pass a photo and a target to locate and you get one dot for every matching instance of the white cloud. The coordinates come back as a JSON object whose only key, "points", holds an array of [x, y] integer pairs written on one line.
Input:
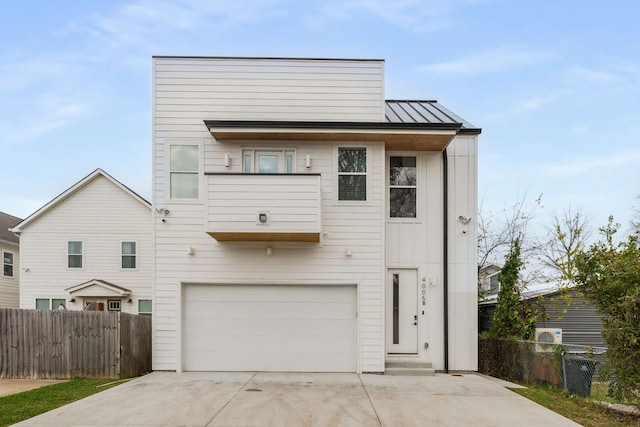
{"points": [[584, 165], [588, 75], [492, 61], [416, 15]]}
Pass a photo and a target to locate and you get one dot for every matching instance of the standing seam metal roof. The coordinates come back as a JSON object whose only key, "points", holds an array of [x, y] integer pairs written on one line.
{"points": [[424, 111]]}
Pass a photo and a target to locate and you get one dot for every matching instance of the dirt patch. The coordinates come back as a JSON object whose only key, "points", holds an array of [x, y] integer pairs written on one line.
{"points": [[8, 387]]}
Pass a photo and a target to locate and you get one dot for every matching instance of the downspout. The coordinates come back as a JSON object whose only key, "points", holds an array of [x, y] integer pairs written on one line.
{"points": [[445, 256]]}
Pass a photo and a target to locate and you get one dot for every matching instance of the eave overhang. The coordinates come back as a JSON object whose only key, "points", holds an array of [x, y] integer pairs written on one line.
{"points": [[396, 136], [98, 288]]}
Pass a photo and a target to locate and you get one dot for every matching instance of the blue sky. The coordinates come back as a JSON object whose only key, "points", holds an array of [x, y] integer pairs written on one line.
{"points": [[555, 85]]}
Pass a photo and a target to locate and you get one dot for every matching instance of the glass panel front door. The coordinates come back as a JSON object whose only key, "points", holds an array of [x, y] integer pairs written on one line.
{"points": [[402, 311]]}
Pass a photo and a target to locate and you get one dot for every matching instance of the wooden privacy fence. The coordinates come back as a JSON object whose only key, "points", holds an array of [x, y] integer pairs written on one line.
{"points": [[66, 344]]}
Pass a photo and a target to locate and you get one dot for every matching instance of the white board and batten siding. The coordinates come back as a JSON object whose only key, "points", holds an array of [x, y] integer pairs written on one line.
{"points": [[463, 271], [10, 285], [102, 216]]}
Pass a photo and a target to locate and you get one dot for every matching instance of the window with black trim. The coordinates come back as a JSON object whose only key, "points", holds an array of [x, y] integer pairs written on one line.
{"points": [[352, 173], [113, 305], [403, 185], [7, 262]]}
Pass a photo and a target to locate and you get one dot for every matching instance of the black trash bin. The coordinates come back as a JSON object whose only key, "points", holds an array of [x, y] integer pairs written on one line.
{"points": [[578, 374]]}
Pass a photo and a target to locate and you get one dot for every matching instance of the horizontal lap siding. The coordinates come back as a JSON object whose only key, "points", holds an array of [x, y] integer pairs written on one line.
{"points": [[101, 215], [292, 203], [188, 91]]}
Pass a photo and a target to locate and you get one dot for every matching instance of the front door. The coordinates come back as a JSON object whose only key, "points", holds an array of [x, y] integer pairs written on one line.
{"points": [[402, 311]]}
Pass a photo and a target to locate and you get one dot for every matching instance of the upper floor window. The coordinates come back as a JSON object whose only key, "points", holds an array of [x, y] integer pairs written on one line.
{"points": [[128, 255], [402, 187], [268, 161], [7, 261], [74, 254], [352, 173], [183, 171]]}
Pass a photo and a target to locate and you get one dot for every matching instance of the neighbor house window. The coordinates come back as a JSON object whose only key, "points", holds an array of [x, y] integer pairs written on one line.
{"points": [[402, 187], [352, 174], [7, 261], [51, 303], [74, 254], [183, 170], [128, 254], [113, 305], [144, 307], [268, 161]]}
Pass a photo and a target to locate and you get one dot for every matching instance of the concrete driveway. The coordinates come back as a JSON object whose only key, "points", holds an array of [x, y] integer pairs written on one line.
{"points": [[296, 399]]}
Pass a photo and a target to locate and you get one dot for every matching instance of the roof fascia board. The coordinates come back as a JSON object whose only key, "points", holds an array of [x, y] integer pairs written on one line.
{"points": [[284, 126]]}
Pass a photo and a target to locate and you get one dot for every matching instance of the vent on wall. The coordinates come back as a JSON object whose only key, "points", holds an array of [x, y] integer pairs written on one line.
{"points": [[546, 337]]}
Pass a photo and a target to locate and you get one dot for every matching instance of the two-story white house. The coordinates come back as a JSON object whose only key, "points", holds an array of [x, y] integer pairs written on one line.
{"points": [[10, 253], [304, 223], [88, 249]]}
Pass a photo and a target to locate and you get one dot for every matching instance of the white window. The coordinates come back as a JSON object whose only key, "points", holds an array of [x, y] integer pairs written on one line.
{"points": [[268, 161], [128, 255], [7, 261], [183, 171], [144, 307], [113, 305], [51, 303], [402, 187], [352, 173], [74, 254]]}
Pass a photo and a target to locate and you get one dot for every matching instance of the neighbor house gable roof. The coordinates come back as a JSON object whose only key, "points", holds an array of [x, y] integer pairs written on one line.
{"points": [[6, 222], [74, 189], [96, 288]]}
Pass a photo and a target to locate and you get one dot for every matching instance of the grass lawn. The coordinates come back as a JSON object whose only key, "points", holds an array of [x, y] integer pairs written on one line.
{"points": [[582, 411], [19, 407]]}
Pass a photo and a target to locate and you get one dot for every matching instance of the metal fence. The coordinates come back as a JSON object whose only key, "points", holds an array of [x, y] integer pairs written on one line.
{"points": [[573, 368]]}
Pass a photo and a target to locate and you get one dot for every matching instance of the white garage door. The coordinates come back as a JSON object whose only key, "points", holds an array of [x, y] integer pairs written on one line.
{"points": [[269, 328]]}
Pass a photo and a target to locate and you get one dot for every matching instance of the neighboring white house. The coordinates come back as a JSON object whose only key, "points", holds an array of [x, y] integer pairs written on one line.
{"points": [[488, 277], [10, 253], [89, 248], [303, 223]]}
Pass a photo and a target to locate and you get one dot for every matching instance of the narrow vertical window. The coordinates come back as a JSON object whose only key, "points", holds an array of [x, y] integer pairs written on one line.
{"points": [[129, 254], [248, 162], [402, 187], [74, 254], [352, 174], [7, 261], [396, 309], [183, 166]]}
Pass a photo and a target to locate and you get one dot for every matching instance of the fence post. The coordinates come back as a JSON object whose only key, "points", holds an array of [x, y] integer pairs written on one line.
{"points": [[564, 371]]}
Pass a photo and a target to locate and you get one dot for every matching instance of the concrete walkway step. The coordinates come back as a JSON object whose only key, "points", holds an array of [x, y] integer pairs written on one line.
{"points": [[409, 368]]}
